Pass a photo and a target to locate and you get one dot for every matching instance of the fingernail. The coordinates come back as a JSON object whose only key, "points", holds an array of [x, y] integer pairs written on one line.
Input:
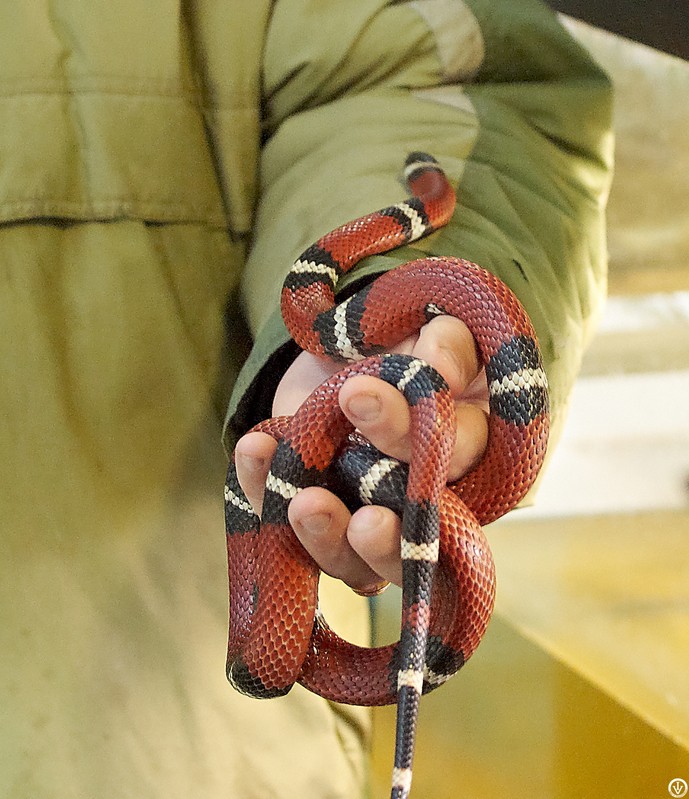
{"points": [[316, 523], [365, 407]]}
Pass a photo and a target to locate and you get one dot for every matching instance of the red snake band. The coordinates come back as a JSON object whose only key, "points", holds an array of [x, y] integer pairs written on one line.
{"points": [[277, 635]]}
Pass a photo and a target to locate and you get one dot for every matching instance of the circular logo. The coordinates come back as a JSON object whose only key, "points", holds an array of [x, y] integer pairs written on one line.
{"points": [[677, 787]]}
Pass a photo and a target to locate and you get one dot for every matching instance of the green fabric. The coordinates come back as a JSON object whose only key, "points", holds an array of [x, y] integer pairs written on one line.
{"points": [[110, 350], [526, 139], [161, 165], [129, 142], [131, 110]]}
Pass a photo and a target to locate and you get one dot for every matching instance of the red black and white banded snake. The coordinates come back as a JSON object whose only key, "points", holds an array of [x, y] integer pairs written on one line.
{"points": [[277, 635]]}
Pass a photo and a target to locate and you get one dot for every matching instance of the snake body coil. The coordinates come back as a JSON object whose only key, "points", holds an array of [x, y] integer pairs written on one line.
{"points": [[277, 637]]}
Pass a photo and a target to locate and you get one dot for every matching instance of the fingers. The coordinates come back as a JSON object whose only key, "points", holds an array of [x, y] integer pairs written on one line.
{"points": [[471, 440], [382, 415], [374, 534], [379, 411], [306, 373], [253, 455], [448, 345], [362, 550]]}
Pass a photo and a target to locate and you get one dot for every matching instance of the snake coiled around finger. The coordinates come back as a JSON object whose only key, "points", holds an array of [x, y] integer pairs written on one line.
{"points": [[277, 635]]}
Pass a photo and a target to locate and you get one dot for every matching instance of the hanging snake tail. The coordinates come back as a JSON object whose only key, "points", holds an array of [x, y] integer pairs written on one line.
{"points": [[429, 396], [432, 408], [318, 324], [419, 562]]}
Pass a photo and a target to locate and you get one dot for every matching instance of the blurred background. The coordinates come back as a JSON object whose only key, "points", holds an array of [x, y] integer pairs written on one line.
{"points": [[581, 686]]}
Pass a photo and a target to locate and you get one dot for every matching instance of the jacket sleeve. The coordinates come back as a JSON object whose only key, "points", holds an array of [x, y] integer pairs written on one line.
{"points": [[514, 110]]}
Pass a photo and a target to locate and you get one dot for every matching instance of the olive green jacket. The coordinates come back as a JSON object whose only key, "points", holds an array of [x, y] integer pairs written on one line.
{"points": [[161, 164], [513, 109], [276, 122]]}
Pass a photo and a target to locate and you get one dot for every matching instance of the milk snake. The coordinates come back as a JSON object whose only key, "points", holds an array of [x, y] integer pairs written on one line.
{"points": [[277, 635]]}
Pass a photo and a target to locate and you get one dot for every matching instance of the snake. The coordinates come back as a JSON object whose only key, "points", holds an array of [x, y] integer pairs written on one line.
{"points": [[277, 633]]}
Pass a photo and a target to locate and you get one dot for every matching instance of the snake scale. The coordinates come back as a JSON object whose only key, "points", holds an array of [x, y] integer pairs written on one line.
{"points": [[277, 635]]}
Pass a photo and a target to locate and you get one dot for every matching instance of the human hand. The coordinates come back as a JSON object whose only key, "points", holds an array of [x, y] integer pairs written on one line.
{"points": [[363, 548]]}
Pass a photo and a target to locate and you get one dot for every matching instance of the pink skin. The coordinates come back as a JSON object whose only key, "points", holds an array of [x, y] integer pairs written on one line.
{"points": [[363, 549]]}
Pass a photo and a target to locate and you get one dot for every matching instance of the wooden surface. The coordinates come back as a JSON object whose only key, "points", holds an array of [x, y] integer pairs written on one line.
{"points": [[581, 686]]}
